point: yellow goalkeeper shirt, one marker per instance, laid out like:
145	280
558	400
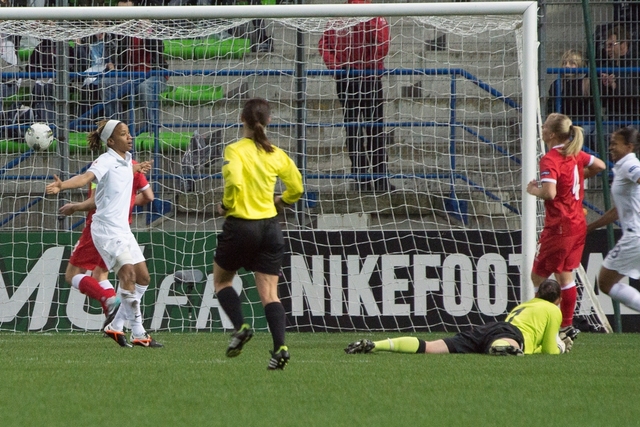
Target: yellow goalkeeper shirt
539	321
250	176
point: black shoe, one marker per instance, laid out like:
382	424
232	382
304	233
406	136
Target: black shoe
113	304
362	346
279	359
570	331
503	348
238	340
145	341
117	336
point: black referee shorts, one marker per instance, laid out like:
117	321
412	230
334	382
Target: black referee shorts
479	338
257	245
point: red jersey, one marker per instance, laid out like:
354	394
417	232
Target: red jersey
360	47
563	214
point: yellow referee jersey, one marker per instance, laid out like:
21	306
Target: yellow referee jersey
539	321
250	176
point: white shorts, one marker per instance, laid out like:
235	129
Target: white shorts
110	245
625	256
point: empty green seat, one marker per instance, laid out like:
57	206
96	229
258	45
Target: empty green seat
168	141
193	94
207	48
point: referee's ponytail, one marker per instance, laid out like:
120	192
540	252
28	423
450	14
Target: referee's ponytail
255	115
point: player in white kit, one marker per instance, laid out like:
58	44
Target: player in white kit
624	259
110	230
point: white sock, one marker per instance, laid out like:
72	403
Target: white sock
140	290
125	313
137	330
627	295
136	324
106	284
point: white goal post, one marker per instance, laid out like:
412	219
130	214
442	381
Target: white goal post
450	245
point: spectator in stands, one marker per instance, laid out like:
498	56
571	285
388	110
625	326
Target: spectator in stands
570	95
620	89
91	59
358	54
44	59
562	171
8	87
260	41
256	31
132	54
531	327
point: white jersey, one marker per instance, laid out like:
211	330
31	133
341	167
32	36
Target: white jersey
625	191
114	176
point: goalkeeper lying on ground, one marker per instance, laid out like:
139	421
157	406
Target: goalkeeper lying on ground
531	327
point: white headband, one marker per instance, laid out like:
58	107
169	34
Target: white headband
108	130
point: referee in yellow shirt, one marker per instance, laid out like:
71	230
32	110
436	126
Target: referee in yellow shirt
251	235
531	327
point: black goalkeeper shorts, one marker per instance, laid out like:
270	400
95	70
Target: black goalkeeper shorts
256	245
479	338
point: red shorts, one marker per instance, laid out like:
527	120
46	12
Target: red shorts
557	253
85	255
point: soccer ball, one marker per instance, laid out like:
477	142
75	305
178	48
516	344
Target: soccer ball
39	136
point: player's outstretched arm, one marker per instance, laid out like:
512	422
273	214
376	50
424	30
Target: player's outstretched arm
76	182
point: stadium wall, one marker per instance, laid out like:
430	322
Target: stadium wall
346	281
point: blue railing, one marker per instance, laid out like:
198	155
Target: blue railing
456	206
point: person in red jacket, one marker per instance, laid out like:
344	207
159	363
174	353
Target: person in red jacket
358	52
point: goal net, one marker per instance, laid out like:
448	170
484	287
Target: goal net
413	217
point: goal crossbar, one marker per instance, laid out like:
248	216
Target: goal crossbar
276	11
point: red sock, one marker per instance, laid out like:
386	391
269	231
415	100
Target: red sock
91	288
568	305
109	291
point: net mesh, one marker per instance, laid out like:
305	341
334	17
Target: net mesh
435	247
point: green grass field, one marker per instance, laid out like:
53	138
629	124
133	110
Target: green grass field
86	380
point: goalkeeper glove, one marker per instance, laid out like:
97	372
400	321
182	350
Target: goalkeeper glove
566	341
561	346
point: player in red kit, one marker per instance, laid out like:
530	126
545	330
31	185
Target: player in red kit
562	173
